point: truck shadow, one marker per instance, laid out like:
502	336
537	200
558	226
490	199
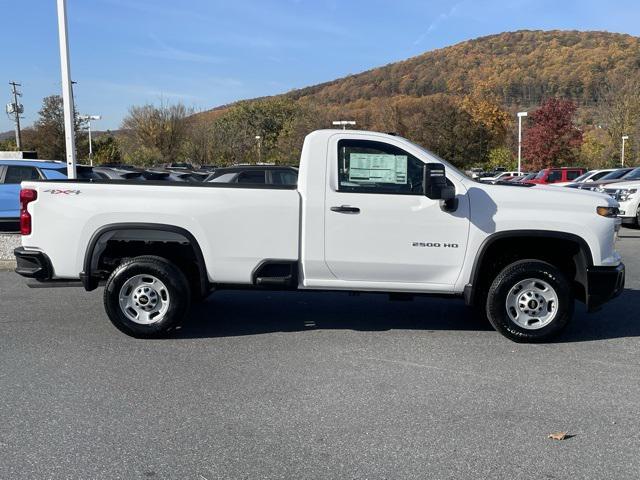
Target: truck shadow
252	312
616	319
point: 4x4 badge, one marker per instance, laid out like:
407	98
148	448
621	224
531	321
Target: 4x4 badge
55	191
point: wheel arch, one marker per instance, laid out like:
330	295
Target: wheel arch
154	231
581	256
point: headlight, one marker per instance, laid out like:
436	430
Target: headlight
625	194
599	189
610	212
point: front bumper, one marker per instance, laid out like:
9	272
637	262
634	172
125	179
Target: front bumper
604	284
33	264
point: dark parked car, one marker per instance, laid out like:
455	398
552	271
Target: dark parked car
256	174
522	178
613	177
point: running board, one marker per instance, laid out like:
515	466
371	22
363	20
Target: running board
276	274
275	281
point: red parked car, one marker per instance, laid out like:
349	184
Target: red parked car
556	175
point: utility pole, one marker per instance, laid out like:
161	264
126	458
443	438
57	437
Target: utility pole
520	116
624	139
67	91
16	109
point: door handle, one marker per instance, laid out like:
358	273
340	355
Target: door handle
345	209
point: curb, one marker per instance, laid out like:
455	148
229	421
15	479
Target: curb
7	265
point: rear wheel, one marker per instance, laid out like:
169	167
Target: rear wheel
147	297
530	301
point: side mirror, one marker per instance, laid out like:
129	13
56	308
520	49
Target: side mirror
436	188
435	182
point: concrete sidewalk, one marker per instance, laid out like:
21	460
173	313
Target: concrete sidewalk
8	241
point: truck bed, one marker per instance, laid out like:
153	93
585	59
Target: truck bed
236	226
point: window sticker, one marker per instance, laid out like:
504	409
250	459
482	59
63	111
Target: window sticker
377	168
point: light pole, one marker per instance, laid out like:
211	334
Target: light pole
67	93
343	123
624	139
88	118
259	140
520	115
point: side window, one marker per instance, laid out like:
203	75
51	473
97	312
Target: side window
573	174
554	176
251	176
375	167
284	177
224	178
16	174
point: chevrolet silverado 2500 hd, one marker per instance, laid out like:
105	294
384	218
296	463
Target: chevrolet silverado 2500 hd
371	212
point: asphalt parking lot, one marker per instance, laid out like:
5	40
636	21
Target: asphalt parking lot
296	386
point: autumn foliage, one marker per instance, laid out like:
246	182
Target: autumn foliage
552	139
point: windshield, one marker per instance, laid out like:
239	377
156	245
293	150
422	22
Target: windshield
616	174
541	174
632	175
584	176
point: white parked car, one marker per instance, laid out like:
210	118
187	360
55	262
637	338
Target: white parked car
370	212
500	176
590	176
627	194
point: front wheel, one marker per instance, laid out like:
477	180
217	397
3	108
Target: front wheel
147	297
530	301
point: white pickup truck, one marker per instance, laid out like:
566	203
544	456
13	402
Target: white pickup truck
371	213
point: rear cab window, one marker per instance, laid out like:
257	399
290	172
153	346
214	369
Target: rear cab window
15	174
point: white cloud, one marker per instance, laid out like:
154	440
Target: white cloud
162	50
443	17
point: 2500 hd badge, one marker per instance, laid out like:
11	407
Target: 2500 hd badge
435	245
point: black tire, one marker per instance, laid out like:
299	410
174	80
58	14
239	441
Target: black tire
177	287
507	279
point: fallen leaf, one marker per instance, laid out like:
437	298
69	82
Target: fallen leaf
558	436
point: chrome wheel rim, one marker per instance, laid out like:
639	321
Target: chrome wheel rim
144	299
532	304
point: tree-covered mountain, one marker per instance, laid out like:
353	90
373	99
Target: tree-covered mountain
521	68
515	68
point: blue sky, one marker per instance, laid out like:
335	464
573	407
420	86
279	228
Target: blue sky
207	52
